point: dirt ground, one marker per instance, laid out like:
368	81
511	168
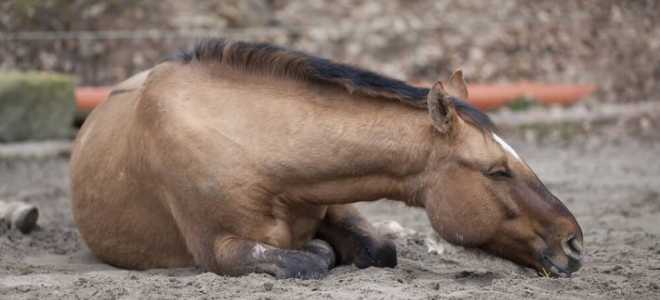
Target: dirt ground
611	184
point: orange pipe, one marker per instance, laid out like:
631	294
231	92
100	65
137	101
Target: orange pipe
493	96
483	96
89	97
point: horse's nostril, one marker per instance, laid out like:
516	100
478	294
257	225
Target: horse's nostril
575	245
572	247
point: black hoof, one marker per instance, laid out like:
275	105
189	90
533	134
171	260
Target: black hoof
380	254
302	265
322	249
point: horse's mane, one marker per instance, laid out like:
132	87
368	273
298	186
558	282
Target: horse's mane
277	61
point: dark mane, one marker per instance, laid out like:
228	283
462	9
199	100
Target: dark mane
278	61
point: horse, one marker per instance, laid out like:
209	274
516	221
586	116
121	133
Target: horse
240	157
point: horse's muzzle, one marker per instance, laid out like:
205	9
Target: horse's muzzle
562	264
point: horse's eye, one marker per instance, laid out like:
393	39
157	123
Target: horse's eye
499	173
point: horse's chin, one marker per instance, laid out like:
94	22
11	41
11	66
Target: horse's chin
542	263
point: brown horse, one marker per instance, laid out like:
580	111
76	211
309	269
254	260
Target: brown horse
241	157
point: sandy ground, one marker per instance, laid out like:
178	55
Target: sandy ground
612	185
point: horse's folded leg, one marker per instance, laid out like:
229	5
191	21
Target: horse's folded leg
354	239
237	257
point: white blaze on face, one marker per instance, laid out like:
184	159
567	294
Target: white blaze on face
506	146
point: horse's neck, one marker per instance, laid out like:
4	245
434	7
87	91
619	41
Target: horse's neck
319	143
375	149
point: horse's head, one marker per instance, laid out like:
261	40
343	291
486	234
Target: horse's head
480	193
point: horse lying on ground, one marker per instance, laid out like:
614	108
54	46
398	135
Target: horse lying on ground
240	157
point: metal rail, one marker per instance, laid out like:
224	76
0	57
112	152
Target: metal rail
140	34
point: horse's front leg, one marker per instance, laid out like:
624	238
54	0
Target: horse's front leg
355	240
236	256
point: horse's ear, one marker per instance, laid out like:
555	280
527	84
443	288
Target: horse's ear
441	108
456	86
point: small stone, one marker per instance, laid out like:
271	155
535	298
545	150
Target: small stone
392	229
433	245
268	286
80	282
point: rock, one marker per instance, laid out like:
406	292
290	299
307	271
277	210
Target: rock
392	229
35	106
19	215
434	245
268	286
4	226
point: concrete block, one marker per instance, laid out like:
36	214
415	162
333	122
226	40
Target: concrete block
36	106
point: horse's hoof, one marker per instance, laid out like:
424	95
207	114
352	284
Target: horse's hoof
374	253
302	266
24	218
322	249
